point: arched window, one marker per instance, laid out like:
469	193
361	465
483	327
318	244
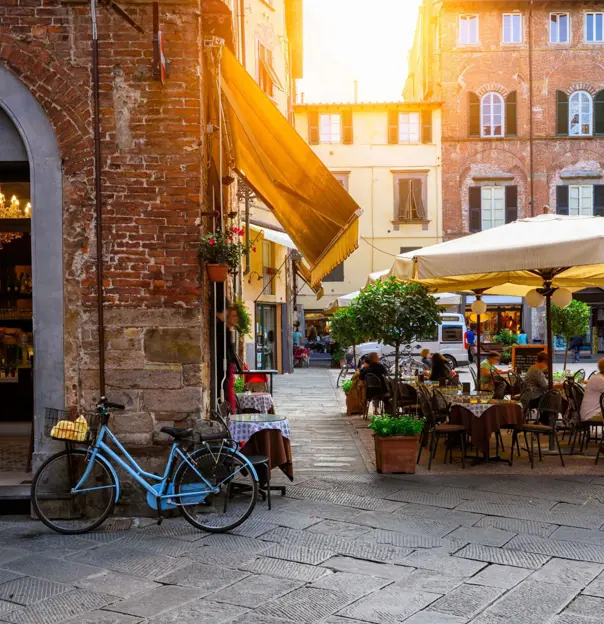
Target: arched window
491	115
580	114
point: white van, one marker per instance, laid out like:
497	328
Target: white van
448	340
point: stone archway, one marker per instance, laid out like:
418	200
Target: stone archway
40	143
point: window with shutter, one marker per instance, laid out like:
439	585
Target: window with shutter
599	113
419	211
492	206
313	127
426	126
561	113
392	127
475	207
410	197
474	115
599	200
511	203
580	114
562	199
404	200
347	135
408	128
581	200
491	114
510	114
330	127
336	275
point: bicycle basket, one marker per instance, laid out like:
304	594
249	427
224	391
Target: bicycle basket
70	426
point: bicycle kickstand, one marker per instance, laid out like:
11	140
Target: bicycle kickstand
160	517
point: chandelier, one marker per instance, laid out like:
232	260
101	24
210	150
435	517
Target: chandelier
12	210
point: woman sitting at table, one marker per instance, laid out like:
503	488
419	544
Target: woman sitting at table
424	354
535	385
441	371
487	367
590	406
373	366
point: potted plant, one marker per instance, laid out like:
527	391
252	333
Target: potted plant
573	320
347	385
396	442
345	328
507	339
221	252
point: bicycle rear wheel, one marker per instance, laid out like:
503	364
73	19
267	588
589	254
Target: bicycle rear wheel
63	510
230	505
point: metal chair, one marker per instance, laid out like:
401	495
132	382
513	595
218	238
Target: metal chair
516	384
550	405
594	372
441	407
435	430
572	418
474	378
374	393
579	376
602	438
501	389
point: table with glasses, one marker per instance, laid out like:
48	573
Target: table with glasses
261	402
482	418
265	434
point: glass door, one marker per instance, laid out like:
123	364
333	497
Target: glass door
266	336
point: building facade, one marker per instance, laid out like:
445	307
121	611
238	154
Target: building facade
387	156
522	91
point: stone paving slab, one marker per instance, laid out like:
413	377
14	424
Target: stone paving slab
453	565
457	516
27	590
477	535
504	577
367	568
50	569
565	572
570	534
514	525
155	602
7	575
342	529
305	605
429	580
10	554
353	585
587	606
301	554
255	590
343	499
434	617
466	601
285	569
208	578
200	611
116	584
508	557
575	618
104	617
596	587
556	548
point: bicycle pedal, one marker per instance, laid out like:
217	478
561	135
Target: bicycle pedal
160	520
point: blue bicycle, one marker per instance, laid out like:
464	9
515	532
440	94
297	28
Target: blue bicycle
212	485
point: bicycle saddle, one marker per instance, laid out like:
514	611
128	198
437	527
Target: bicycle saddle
177	433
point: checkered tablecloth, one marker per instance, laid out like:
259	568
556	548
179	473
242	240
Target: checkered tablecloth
245	430
477	409
260	401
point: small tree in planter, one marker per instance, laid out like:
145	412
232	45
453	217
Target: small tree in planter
507	339
221	252
573	320
345	327
397	313
396	442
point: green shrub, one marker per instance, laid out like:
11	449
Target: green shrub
346	385
403	425
239	385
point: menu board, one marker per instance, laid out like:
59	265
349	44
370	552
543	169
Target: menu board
524	356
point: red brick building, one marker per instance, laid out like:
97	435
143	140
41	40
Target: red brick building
522	91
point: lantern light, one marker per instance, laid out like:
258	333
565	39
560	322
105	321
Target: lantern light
562	298
478	306
534	298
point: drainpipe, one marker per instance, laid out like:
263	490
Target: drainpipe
97	198
531	157
242	30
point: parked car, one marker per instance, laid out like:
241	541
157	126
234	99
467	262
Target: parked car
448	339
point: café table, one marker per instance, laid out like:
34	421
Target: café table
268	435
483	418
269	371
261	402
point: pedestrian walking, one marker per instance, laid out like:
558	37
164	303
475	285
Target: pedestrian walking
471	341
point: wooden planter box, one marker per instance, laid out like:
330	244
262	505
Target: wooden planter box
396	453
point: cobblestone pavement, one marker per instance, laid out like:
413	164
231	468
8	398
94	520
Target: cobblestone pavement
344	547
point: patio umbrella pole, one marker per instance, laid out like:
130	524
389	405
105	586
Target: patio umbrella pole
478	351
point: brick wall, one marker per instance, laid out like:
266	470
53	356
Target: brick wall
153	172
493	66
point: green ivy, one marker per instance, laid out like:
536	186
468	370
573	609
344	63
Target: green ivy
245	320
403	425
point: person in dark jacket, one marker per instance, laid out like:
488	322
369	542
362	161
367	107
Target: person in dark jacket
375	367
441	371
575	346
230	318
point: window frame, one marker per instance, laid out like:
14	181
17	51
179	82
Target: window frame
568	28
419	128
343	178
459	22
482	124
264	79
580	188
410	174
268	276
491	188
585	37
590	116
521	33
331	141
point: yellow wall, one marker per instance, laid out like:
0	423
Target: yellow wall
372	164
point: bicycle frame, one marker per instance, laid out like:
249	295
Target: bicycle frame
102	451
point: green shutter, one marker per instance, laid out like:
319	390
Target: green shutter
561	113
599	113
510	114
474	115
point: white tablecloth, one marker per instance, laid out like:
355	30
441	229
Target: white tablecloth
245	430
262	402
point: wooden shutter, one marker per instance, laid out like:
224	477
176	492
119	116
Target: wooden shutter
511	126
511	203
313	128
475	196
426	126
599	200
347	136
561	113
392	127
474	115
599	113
404	200
418	200
562	199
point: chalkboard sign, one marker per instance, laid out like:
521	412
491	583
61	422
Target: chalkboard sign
524	356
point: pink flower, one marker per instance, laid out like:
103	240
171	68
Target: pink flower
212	241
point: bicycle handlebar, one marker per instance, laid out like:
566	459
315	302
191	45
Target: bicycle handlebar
103	402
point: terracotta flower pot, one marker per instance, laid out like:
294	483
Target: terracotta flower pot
217	272
395	453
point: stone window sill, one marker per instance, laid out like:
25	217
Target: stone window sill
411	221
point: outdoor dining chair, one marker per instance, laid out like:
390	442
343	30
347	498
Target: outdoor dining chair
593	372
579	376
602	438
550	406
374	393
579	429
474	378
516	384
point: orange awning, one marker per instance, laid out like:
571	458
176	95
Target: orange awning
313	208
304	273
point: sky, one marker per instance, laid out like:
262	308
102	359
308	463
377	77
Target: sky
348	40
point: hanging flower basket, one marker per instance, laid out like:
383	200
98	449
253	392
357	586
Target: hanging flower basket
221	252
217	272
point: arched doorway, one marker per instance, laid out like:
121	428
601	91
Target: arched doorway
30	169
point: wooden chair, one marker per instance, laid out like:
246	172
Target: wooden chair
550	406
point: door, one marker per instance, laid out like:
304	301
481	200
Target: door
266	336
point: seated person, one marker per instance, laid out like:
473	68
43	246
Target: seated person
487	367
441	371
375	367
425	356
590	406
535	384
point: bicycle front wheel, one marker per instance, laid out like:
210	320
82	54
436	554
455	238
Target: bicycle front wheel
66	511
217	492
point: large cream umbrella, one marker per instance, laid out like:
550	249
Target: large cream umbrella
550	255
